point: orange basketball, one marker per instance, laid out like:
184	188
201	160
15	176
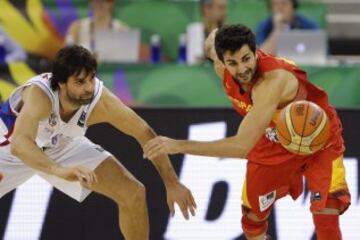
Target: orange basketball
303	127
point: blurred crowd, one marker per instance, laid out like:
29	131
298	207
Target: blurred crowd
103	33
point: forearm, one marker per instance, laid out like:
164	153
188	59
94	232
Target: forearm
165	169
31	155
224	148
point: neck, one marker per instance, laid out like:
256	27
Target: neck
102	22
66	107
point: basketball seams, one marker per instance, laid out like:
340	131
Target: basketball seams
319	128
304	127
285	128
310	119
282	135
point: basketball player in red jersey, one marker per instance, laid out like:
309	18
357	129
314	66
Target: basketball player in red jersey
259	85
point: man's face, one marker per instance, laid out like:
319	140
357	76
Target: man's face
102	7
217	11
241	64
284	8
79	88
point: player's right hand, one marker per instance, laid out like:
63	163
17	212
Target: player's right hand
1	176
210	45
84	175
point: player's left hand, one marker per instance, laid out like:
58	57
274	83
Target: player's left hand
182	196
160	145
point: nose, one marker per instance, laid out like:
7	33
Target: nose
89	86
241	69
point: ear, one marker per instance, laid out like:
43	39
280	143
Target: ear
62	85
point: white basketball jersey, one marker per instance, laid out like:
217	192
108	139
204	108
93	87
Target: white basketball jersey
53	132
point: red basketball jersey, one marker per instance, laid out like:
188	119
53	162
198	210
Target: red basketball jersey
268	152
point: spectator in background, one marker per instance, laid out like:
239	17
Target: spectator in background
213	13
82	31
10	51
283	17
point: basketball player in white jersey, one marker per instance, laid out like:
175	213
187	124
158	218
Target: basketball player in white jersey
42	128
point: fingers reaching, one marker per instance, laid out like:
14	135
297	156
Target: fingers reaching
86	177
155	152
192	204
171	208
151	148
192	200
184	209
188	205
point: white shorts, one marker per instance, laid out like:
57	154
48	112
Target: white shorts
80	151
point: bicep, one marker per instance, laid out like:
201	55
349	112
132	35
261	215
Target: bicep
111	110
36	107
26	124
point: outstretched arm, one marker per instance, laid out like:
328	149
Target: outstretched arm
110	109
266	98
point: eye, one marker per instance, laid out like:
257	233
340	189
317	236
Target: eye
79	82
246	59
232	64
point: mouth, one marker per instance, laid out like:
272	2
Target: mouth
244	77
87	96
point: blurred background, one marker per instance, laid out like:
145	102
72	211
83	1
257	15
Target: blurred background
151	56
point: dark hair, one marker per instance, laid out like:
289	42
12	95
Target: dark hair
295	3
71	60
232	38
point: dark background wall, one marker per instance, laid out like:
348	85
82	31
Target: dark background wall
96	217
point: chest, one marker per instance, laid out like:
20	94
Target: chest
53	126
240	96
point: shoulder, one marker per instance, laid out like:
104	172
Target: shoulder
75	24
36	101
106	108
106	99
120	25
278	81
263	29
264	25
306	22
73	31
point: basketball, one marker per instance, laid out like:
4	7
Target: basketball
303	127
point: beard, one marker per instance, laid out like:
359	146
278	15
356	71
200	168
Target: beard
80	100
245	78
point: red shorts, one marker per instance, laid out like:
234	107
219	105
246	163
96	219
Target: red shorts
266	183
